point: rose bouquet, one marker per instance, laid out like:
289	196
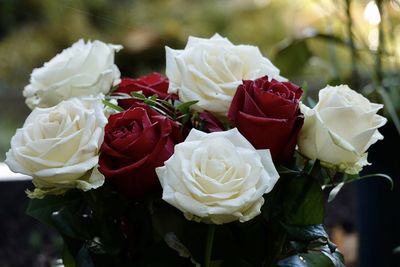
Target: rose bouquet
217	164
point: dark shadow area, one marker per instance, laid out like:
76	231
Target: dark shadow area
24	241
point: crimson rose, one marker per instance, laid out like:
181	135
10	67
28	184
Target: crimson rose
267	113
137	141
151	84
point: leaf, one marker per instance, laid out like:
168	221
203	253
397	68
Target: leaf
42	209
173	242
295	200
113	106
70	224
311	102
396	250
311	259
306	233
335	191
138	95
293	51
303	201
184	107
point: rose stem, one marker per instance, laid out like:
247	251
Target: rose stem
210	239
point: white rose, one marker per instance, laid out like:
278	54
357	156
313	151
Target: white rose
217	177
59	146
81	70
210	70
340	128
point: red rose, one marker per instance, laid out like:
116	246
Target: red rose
152	84
137	141
267	113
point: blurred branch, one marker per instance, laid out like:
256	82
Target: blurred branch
349	27
380	49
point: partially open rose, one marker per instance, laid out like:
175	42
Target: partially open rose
148	85
267	113
136	142
340	128
83	69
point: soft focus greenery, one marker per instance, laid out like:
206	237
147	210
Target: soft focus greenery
307	39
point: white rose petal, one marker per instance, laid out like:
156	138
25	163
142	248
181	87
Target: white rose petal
210	70
81	70
340	129
217	177
59	146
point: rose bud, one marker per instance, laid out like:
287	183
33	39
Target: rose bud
152	84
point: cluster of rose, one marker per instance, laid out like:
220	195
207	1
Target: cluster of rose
217	164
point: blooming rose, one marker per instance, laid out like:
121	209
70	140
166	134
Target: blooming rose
136	141
81	70
217	177
267	113
59	146
148	85
340	128
210	70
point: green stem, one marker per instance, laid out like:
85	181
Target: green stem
349	26
379	52
210	239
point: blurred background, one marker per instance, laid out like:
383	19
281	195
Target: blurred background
313	42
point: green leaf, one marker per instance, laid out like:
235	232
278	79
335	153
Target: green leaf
184	107
69	223
311	259
138	95
306	233
295	200
42	209
304	203
113	106
293	51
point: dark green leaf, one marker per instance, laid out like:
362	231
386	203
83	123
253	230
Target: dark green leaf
312	259
184	107
295	200
304	203
70	224
42	209
306	232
